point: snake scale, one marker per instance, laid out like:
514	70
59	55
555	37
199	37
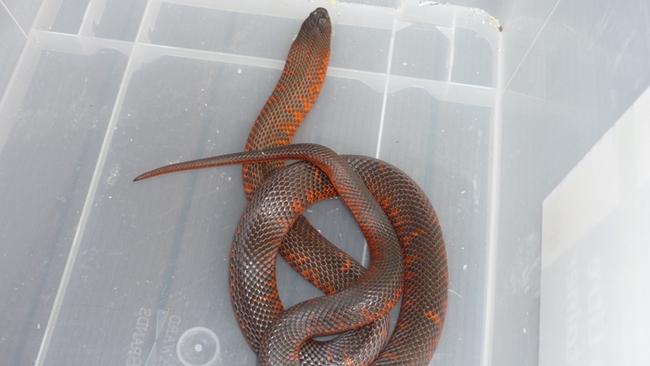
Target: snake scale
408	260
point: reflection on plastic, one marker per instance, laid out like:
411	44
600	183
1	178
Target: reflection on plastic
198	346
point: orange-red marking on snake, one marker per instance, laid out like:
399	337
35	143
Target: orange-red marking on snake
272	224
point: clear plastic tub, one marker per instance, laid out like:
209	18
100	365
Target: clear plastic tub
98	270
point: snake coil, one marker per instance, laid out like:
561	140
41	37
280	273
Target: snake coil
408	260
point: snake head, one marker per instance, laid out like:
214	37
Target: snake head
318	20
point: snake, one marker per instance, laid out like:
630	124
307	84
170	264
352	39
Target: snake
408	258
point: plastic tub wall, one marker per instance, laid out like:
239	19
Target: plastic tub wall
569	70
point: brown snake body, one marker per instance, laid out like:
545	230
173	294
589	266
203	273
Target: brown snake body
408	256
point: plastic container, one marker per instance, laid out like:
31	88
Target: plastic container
97	270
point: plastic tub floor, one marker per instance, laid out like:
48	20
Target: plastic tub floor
102	271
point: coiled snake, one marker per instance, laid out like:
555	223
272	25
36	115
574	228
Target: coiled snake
408	259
